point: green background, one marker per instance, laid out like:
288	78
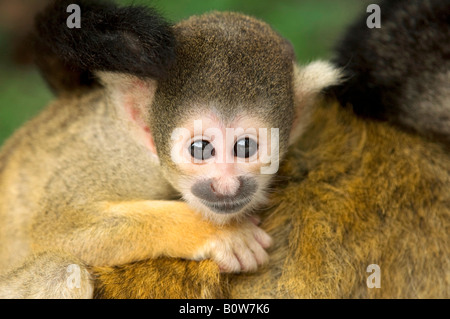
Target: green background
313	27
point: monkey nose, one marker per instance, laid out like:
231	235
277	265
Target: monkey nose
225	186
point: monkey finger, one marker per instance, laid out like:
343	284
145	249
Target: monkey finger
223	254
229	264
245	256
263	238
260	254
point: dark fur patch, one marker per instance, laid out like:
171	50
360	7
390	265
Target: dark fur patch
134	40
385	66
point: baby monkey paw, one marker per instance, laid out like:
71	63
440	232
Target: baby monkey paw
239	247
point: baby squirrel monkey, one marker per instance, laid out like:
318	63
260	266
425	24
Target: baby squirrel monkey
164	159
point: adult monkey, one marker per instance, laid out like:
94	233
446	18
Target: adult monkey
360	193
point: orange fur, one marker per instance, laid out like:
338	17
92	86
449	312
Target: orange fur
351	193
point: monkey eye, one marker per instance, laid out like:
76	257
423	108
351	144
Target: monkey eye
202	150
245	147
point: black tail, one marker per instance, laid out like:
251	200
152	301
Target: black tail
400	72
134	40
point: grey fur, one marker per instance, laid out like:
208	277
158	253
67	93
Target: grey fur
401	72
225	204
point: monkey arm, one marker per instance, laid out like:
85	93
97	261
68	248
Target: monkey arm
114	233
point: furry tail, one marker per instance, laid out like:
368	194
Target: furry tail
400	72
134	40
48	275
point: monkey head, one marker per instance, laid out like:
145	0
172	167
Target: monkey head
221	120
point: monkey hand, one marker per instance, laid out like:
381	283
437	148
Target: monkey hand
237	247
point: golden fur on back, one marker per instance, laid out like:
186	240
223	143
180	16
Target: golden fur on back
351	193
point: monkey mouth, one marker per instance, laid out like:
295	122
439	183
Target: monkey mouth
225	204
226	207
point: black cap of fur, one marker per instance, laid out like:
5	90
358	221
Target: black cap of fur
388	68
134	40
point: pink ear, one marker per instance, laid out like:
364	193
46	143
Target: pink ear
137	114
132	98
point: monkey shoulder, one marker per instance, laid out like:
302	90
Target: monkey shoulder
76	146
